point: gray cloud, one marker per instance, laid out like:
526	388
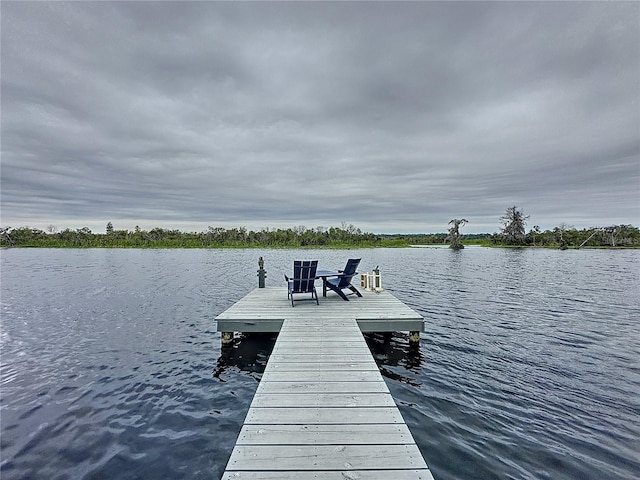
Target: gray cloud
392	116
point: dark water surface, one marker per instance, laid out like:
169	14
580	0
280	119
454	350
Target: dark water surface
111	367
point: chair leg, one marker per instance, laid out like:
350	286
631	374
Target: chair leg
338	291
341	293
355	290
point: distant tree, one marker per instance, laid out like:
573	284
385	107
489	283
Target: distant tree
561	231
513	222
454	233
534	232
109	228
52	228
612	233
4	234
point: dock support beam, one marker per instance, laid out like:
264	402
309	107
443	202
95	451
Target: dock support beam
414	338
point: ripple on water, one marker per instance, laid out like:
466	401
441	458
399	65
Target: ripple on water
527	369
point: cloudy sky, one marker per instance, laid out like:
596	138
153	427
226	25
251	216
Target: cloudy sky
394	117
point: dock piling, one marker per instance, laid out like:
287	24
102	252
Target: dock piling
227	338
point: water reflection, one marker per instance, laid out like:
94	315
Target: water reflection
395	350
248	353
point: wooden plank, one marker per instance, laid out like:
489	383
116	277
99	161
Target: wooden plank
423	474
362	434
318	327
323	387
323	416
304	353
326	457
303	343
303	348
323	358
330	336
319	366
302	376
303	400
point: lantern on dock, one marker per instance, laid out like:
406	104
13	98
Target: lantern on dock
376	280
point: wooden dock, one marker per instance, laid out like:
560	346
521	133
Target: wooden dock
322	409
265	309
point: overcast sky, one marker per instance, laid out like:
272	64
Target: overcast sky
393	117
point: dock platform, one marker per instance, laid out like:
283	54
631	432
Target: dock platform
322	409
265	309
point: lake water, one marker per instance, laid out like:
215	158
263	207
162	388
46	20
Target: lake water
111	367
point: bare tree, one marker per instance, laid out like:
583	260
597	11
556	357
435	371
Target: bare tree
612	233
561	230
513	222
4	233
454	233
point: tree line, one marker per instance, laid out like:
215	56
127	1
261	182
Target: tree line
563	236
623	236
213	237
512	233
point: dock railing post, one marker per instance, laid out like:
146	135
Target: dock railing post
262	273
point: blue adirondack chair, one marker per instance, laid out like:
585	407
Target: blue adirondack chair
304	275
343	281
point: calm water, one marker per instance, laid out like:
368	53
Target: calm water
111	367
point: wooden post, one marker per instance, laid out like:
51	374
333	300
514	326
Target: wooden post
262	273
227	338
414	338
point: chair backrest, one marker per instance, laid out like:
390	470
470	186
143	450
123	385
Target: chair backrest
348	272
304	274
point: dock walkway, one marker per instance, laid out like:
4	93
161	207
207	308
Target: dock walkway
322	409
